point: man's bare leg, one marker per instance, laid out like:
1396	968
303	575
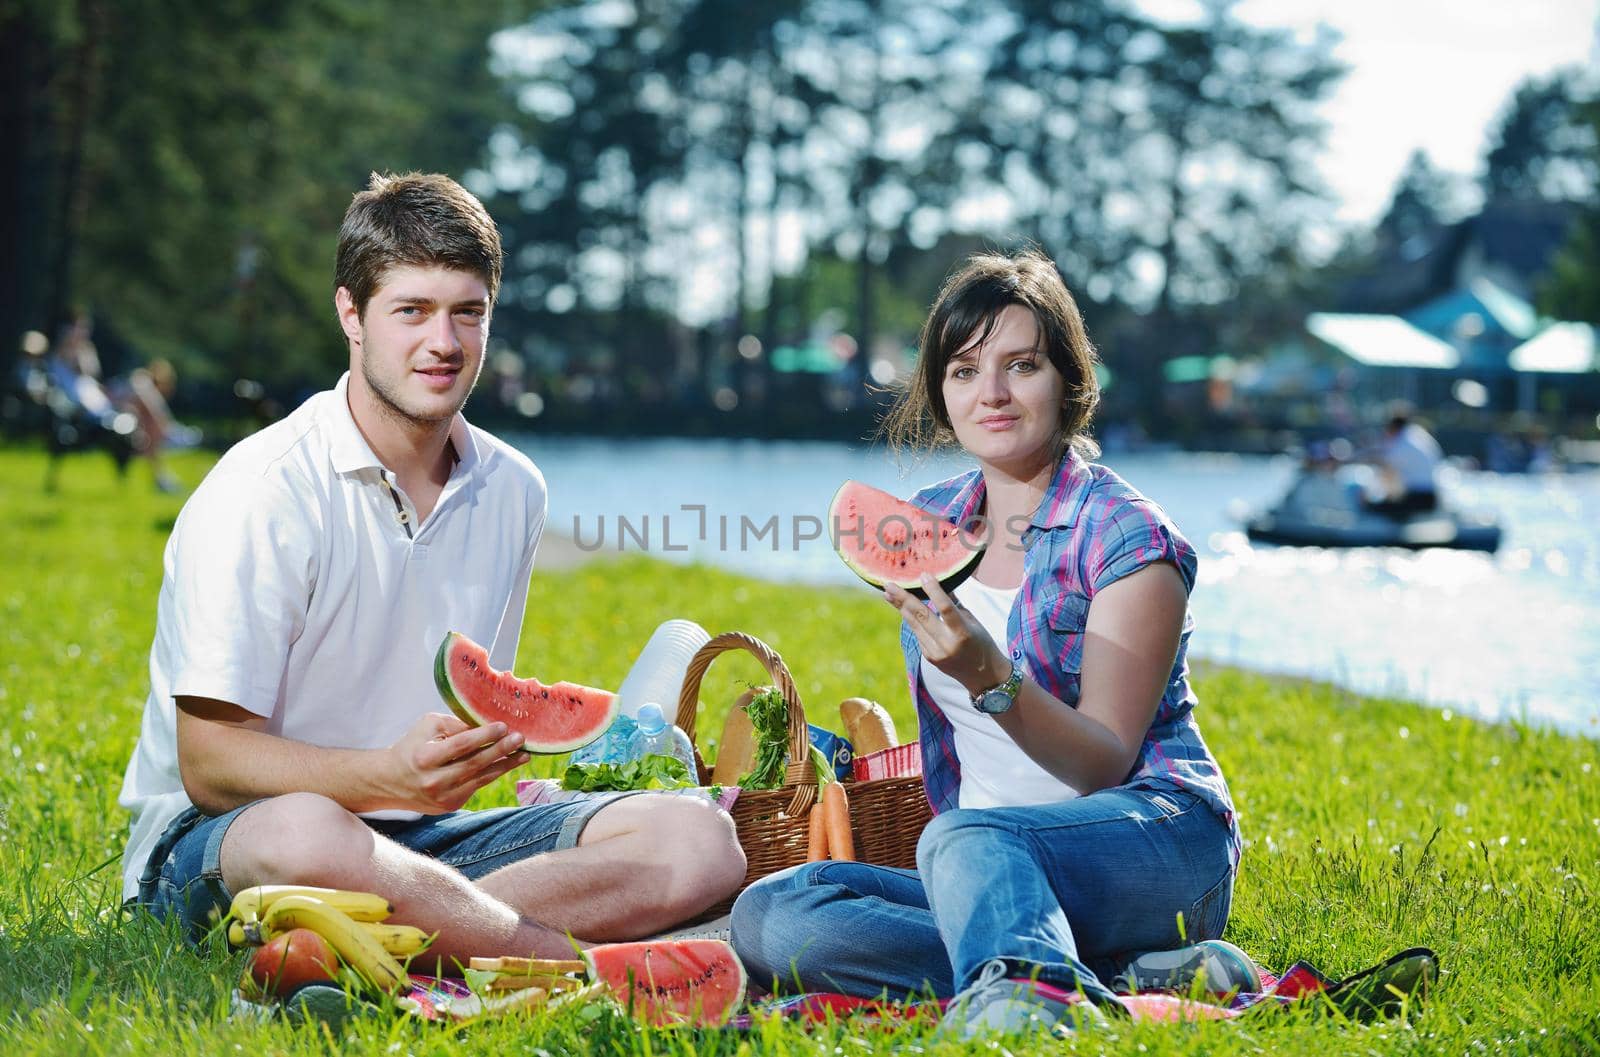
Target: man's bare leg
642	865
303	838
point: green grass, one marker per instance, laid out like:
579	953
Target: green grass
1372	825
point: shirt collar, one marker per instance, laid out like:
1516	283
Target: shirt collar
1063	499
349	451
1066	494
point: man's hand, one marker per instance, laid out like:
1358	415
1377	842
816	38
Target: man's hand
441	762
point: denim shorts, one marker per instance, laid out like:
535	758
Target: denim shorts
183	875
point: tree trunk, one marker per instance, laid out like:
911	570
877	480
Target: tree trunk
869	172
72	203
23	182
744	138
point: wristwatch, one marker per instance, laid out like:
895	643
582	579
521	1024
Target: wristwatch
998	699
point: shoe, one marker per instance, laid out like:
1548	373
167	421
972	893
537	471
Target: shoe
999	1004
1225	969
1395	986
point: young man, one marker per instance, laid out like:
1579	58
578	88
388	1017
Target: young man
1409	459
293	734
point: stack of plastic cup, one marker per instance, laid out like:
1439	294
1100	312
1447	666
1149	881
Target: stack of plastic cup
658	673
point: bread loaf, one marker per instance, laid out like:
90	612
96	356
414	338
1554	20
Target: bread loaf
867	725
736	750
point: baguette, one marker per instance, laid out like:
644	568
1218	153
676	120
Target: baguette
867	725
736	751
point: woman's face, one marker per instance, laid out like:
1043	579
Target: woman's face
1004	397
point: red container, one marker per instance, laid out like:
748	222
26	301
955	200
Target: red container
901	761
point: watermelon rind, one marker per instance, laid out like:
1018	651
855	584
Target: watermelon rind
950	575
441	679
458	700
700	1001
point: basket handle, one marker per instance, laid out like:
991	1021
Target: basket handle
800	775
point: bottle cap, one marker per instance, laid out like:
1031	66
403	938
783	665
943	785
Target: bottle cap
650	718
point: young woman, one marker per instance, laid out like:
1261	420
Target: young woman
1080	819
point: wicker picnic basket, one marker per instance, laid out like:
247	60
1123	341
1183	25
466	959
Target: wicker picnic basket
886	814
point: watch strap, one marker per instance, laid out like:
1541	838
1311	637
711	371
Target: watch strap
1010	687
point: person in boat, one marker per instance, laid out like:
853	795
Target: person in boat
1081	821
293	734
1319	485
1408	458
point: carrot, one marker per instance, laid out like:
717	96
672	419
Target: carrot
836	820
817	835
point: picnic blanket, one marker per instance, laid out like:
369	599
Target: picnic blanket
1382	990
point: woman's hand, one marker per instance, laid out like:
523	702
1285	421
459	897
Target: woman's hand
952	640
1130	642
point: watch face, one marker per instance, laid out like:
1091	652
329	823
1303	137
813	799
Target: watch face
994	701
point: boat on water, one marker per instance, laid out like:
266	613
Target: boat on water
1329	510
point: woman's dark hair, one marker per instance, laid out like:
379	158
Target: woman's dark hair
967	309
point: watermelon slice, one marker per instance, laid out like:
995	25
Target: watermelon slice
556	718
694	983
885	540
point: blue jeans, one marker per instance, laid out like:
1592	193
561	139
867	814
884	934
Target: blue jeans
1060	891
183	875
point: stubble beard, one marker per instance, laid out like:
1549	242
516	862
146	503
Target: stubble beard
390	406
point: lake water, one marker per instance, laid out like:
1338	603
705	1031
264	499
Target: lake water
1515	634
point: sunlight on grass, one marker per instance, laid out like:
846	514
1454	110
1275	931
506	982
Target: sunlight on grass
1371	825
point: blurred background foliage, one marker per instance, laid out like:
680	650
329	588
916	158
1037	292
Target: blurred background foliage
689	187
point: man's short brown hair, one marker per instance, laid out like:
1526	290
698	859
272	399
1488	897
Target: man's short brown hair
423	219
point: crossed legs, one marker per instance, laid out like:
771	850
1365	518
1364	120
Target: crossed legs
640	865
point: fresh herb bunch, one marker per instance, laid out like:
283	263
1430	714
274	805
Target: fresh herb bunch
769	719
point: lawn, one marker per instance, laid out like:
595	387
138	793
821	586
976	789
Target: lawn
1371	825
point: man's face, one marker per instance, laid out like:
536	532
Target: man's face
418	347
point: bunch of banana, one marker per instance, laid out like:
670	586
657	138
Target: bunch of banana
353	923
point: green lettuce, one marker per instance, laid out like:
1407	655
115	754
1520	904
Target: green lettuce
647	772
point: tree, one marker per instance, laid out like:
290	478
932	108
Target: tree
1573	288
193	161
1049	129
1424	198
1541	148
1216	183
598	130
1225	164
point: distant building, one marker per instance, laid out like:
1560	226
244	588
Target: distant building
1445	319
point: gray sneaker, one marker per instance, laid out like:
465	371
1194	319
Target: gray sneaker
1224	968
999	1004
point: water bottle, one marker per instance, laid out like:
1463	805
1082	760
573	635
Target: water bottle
614	746
657	737
657	674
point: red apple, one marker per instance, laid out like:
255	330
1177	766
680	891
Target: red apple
297	957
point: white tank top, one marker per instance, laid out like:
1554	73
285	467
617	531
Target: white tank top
994	771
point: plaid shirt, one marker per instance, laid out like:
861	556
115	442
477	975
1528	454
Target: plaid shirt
1091	529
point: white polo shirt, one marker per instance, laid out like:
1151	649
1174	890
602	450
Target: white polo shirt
298	585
